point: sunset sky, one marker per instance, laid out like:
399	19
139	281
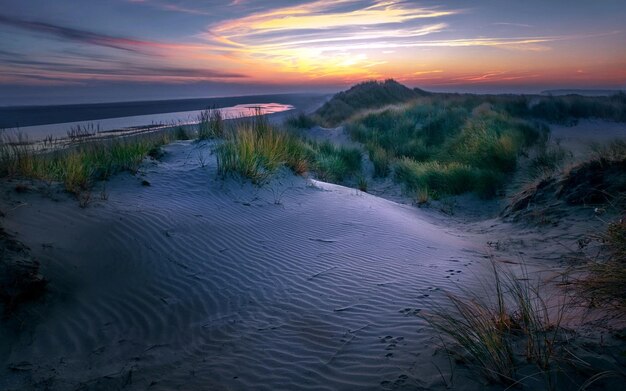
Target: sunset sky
92	50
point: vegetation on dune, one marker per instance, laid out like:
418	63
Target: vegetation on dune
446	147
300	121
606	278
599	181
441	144
256	150
79	166
362	96
597	184
210	124
565	109
500	336
432	144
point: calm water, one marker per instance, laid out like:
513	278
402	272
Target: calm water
39	132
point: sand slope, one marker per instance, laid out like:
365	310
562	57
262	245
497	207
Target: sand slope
199	283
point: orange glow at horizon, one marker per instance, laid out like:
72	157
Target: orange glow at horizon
337	42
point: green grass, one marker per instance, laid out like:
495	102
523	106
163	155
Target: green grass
449	146
362	96
79	166
381	160
566	109
180	133
211	124
256	150
334	164
301	121
438	178
482	135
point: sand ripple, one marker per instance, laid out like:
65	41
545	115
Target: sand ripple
197	283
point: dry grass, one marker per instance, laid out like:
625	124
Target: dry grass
605	283
497	337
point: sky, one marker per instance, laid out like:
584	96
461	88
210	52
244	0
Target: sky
66	51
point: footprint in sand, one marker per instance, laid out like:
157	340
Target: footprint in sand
452	272
391	344
410	311
399	382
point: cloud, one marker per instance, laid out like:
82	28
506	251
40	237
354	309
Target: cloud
326	14
326	38
171	6
513	24
75	64
89	37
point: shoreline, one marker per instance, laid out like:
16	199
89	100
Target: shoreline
22	116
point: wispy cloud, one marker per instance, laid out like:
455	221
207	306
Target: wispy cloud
157	60
326	38
76	35
348	37
513	24
171	6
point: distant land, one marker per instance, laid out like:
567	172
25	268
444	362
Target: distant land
581	92
21	116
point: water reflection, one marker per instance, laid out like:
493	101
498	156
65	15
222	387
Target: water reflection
143	122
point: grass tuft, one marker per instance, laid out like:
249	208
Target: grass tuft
450	146
211	124
79	166
301	121
497	337
606	281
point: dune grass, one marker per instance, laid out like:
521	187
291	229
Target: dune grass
255	150
605	282
565	109
446	147
333	163
514	327
210	124
364	95
301	121
78	166
437	179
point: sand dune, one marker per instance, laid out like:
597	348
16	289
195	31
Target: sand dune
198	283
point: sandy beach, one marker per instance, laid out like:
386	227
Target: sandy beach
175	278
194	283
355	195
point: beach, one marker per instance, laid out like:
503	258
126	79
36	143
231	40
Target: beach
175	276
193	282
